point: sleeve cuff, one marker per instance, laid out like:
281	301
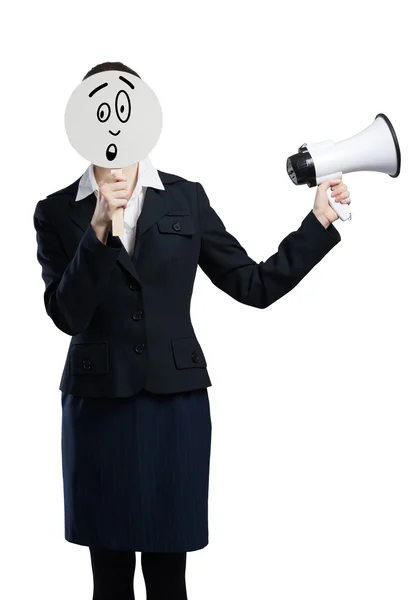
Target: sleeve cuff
327	235
91	241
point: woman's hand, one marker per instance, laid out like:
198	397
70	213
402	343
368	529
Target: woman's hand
113	194
322	209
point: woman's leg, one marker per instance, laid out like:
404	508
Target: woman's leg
113	573
164	575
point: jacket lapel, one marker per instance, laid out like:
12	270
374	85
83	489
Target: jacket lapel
156	203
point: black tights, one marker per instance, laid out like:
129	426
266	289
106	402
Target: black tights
113	573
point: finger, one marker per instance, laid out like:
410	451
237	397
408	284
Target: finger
344	194
121	195
325	185
333	182
338	189
120	202
117	194
344	198
118	185
341	197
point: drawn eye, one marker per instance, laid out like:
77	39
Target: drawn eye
123	106
103	112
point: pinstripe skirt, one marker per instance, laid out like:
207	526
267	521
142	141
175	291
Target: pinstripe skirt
136	471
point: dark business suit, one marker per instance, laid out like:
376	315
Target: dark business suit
130	319
133	345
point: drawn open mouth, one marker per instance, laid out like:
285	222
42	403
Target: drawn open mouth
111	152
114	133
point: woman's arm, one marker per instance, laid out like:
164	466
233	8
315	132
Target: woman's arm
227	264
73	287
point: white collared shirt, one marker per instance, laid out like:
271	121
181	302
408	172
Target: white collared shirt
148	177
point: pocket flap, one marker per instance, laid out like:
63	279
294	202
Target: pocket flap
188	353
179	211
88	358
176	224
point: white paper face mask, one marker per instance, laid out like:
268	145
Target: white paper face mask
113	119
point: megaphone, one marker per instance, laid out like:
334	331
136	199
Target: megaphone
376	148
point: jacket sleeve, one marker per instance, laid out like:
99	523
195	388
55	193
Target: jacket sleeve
73	288
226	263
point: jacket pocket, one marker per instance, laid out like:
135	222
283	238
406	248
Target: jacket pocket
88	358
188	353
180	224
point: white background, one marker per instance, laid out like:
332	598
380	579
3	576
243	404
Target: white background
312	489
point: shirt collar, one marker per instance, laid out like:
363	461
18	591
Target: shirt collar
148	177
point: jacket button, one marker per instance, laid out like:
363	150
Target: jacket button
139	348
86	365
137	315
176	226
133	286
195	356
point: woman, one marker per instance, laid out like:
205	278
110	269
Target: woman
136	426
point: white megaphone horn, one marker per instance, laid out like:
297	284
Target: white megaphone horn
376	148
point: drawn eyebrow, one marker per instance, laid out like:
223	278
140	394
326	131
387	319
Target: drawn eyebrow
97	89
127	81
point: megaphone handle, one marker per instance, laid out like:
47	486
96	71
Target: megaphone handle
118	215
342	210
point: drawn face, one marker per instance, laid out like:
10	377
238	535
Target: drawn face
113	119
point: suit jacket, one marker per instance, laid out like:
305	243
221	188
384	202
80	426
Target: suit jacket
129	318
